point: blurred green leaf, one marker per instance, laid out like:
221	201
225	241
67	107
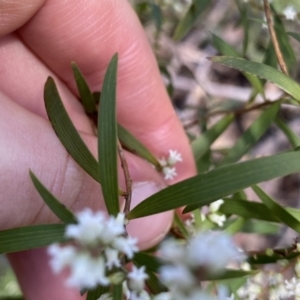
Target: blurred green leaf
154	284
261	227
276	209
117	292
30	237
178	222
149	261
201	144
252	135
107	139
235	227
54	204
295	35
263	71
132	144
157	15
228	274
278	254
85	93
66	131
228	50
184	26
218	183
289	133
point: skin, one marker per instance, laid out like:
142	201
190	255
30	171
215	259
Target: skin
40	39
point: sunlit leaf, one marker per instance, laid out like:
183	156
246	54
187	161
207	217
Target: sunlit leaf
218	183
107	139
30	237
66	131
54	204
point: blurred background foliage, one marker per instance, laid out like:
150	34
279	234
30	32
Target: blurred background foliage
183	33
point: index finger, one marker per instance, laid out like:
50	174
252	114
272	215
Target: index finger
89	33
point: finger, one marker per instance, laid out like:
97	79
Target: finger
67	31
14	14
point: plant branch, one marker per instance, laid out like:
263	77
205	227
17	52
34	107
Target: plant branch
279	55
128	181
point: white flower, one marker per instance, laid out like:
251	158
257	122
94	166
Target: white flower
204	250
87	272
112	257
177	276
171	251
89	228
137	279
163	296
293	287
215	206
61	257
174	157
290	13
169	172
217	219
113	228
126	245
139	296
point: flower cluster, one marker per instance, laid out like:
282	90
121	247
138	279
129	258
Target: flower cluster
185	265
168	164
98	244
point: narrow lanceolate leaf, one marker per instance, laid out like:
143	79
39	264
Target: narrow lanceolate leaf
85	93
66	131
132	144
263	71
54	204
228	50
253	210
201	144
30	237
280	212
235	227
228	274
218	183
251	135
154	284
289	133
196	9
107	139
149	261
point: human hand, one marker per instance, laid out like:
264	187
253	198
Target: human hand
40	39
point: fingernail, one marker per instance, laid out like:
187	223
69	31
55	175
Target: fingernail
152	229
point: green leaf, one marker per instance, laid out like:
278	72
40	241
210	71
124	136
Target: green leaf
251	135
107	139
97	293
135	146
117	292
185	24
235	227
228	50
261	227
295	35
149	261
228	274
263	71
85	93
281	213
54	204
154	284
218	183
276	255
66	131
180	225
289	133
30	237
203	143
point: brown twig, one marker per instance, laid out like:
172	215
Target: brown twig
279	55
128	181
